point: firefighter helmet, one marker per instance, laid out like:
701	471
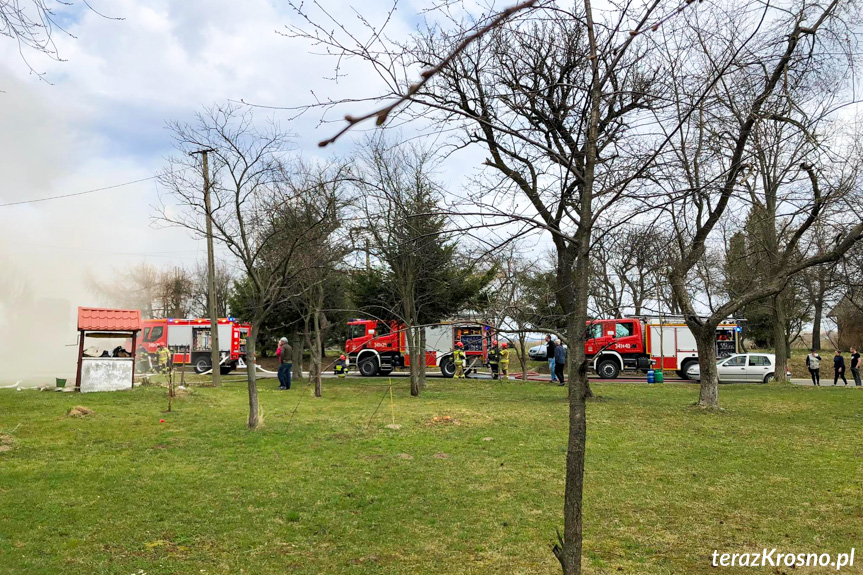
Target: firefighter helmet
459	344
342	356
494	342
504	345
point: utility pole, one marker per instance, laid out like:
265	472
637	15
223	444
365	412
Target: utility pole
661	334
215	355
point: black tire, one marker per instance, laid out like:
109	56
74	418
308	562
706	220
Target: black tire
685	368
385	371
226	369
447	367
607	369
770	377
368	367
202	365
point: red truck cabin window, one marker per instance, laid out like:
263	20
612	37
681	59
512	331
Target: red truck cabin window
624	329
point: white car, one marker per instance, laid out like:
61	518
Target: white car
755	367
538	352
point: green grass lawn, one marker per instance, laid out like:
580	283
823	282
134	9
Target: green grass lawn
117	492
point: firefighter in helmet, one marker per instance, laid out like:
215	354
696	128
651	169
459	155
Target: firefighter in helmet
494	359
163	357
341	366
504	360
142	360
458	359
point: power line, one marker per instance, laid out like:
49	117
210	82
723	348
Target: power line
78	193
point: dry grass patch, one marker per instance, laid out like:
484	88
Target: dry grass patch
80	411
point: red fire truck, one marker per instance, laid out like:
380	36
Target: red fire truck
379	347
189	341
615	345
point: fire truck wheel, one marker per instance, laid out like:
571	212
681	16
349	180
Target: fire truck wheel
202	365
607	369
369	367
447	367
226	369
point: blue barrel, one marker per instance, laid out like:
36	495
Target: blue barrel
651	377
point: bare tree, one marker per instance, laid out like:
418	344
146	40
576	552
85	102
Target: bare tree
32	24
508	307
628	271
716	154
201	290
257	211
319	257
136	287
565	103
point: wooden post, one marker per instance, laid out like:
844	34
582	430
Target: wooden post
215	353
183	368
80	360
134	355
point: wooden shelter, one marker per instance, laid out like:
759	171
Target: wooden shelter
114	372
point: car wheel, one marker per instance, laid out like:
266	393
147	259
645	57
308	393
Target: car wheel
368	367
607	369
202	365
447	367
769	378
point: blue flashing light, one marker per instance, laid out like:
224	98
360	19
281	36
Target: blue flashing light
738	329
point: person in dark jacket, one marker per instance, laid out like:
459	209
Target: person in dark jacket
559	362
813	362
838	368
855	366
549	355
285	353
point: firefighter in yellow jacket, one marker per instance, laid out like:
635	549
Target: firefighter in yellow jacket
504	360
458	359
162	358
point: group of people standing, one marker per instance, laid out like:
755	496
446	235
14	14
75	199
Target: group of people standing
498	360
813	362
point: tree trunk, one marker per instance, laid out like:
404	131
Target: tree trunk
522	354
251	375
780	337
705	340
316	353
421	366
818	304
297	345
569	554
410	335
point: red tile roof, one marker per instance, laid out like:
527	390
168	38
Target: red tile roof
97	319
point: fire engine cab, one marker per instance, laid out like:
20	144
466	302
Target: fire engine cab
188	340
378	347
615	345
